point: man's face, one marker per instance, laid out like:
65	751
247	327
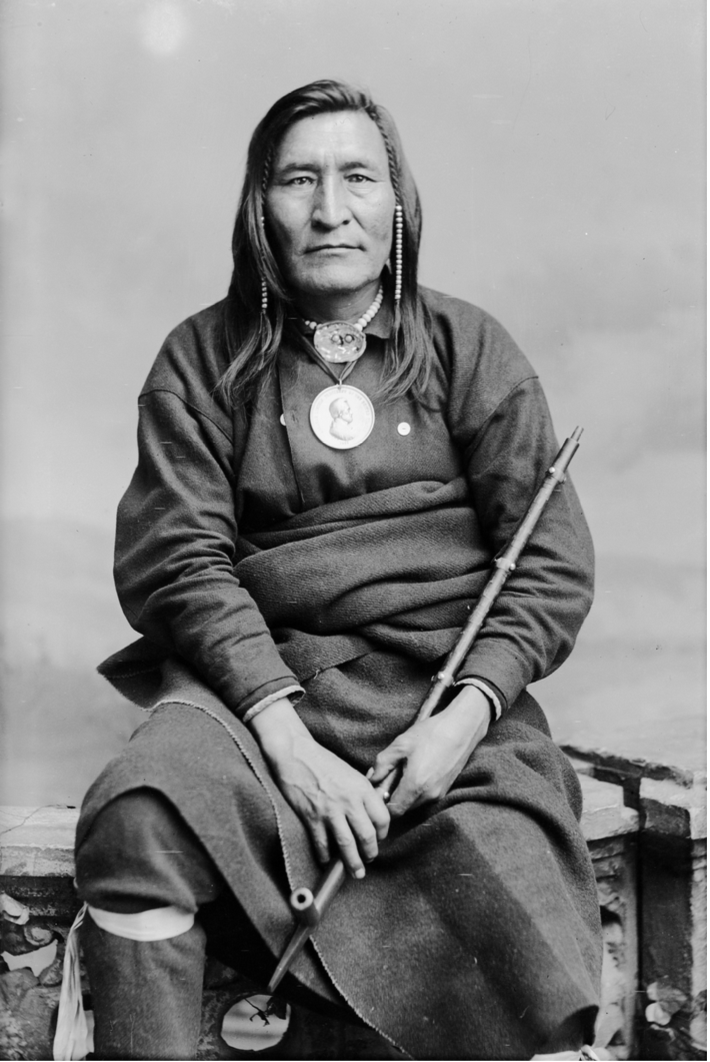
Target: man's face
330	204
340	410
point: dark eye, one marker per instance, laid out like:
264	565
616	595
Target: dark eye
298	182
358	178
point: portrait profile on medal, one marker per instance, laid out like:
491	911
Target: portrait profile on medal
342	417
342	427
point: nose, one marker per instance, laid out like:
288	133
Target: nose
330	208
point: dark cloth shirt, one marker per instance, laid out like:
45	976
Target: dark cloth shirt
209	478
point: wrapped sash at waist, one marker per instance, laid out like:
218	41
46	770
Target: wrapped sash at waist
398	569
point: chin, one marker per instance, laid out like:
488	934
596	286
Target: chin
335	281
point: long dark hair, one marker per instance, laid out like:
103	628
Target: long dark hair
253	339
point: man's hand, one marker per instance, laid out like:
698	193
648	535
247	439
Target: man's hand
344	814
432	754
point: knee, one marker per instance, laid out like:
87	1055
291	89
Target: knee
139	854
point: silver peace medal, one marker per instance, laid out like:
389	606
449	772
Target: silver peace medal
342	417
339	341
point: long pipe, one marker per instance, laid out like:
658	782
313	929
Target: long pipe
311	907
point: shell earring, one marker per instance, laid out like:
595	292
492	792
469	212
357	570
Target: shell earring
398	226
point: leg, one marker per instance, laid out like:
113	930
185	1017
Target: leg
141	868
147	995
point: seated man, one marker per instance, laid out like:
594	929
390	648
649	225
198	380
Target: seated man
296	587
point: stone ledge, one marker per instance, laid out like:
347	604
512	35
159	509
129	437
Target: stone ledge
637	767
605	814
674	810
37	842
672	800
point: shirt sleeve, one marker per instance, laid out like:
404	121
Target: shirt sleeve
175	545
502	420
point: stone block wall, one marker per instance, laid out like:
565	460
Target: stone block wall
672	894
611	830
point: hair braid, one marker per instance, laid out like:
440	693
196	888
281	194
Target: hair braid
374	113
266	173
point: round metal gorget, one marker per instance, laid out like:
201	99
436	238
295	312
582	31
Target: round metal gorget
342	417
339	341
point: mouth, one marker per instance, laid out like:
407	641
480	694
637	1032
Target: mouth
329	247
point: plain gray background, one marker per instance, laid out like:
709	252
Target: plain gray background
559	150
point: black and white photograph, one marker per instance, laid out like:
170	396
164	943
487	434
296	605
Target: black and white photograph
352	529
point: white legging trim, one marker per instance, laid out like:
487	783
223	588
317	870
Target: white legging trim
159	923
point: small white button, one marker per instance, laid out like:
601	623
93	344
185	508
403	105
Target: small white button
404	428
282	419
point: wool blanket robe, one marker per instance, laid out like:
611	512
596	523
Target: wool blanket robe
476	931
